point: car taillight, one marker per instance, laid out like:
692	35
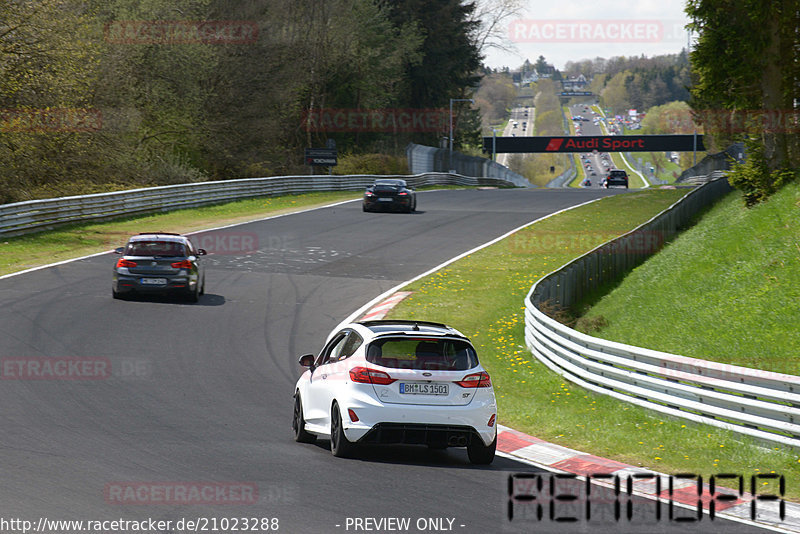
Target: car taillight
402	193
476	380
365	375
185	264
491	420
369	193
125	263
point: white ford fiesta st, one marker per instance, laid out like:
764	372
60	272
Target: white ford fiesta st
411	382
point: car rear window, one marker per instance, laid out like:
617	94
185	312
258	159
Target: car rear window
155	248
387	187
422	353
618	174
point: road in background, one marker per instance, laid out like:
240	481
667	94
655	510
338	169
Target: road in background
520	124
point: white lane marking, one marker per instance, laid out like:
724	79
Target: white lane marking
360	311
9	275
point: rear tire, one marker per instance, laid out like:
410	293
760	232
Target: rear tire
480	454
194	296
301	435
340	446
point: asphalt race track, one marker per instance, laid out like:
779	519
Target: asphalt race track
197	398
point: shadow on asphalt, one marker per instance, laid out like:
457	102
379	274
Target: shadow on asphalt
420	455
209	299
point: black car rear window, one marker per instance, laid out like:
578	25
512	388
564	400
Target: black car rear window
422	353
387	187
155	248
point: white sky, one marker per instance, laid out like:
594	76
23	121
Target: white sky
659	23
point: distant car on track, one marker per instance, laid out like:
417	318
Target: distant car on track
401	382
389	194
159	262
616	177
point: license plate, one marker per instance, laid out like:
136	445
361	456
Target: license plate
418	388
385	199
153	281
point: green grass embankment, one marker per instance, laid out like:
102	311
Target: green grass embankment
482	295
727	290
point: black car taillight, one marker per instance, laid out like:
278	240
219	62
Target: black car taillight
125	263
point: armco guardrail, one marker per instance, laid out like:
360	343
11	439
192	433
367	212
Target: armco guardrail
423	159
762	404
36	215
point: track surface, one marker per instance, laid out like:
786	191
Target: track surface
202	393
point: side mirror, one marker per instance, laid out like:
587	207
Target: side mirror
201	252
119	250
307	360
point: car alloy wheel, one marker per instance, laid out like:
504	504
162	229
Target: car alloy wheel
340	446
301	435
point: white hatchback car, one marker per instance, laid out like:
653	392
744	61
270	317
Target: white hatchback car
411	382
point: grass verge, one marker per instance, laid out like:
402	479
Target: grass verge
482	295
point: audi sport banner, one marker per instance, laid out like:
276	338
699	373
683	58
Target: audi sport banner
599	143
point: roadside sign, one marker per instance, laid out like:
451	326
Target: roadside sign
326	157
600	143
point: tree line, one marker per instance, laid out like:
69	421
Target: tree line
746	74
109	94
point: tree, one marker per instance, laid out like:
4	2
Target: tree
494	97
745	65
540	65
491	17
450	58
615	94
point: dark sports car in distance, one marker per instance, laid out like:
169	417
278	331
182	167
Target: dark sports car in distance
390	194
616	177
159	263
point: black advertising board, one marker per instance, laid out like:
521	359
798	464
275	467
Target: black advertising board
321	156
599	143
